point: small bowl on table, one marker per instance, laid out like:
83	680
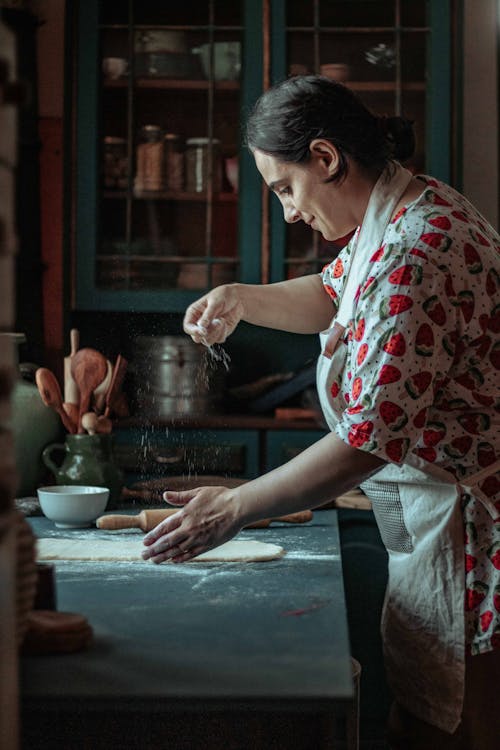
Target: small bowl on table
73	506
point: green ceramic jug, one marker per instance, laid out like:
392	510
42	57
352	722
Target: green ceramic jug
87	459
33	424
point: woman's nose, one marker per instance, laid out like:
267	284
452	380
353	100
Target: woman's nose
291	214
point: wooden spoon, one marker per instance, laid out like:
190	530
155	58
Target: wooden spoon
50	392
88	368
99	394
71	395
119	371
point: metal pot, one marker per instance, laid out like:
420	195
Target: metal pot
172	375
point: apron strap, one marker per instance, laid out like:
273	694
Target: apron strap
384	198
471	484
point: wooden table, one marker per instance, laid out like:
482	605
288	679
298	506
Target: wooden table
200	655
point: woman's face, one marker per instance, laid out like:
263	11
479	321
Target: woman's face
305	193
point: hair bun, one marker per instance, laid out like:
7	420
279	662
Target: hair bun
400	135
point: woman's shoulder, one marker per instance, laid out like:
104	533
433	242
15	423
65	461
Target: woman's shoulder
440	224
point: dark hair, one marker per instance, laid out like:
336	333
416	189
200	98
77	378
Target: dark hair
288	116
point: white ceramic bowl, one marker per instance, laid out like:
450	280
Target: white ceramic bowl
73	506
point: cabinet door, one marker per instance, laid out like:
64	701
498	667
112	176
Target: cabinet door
396	54
283	445
160	171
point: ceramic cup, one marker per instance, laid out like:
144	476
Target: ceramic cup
114	67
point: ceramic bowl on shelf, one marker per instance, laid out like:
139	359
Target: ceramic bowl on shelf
336	71
73	506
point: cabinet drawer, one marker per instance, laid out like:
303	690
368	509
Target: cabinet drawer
146	453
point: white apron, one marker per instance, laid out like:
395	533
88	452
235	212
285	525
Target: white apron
420	521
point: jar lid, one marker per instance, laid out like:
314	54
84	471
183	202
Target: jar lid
114	140
202	141
171	137
151	131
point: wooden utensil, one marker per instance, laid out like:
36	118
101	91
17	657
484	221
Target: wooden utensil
100	392
89	422
148	519
50	392
71	395
72	411
119	370
88	368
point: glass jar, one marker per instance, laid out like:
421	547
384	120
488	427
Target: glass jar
174	162
149	175
200	168
115	163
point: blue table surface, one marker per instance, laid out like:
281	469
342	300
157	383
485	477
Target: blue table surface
272	633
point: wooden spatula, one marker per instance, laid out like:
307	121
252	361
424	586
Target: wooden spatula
51	394
88	368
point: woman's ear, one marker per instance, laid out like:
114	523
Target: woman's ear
326	155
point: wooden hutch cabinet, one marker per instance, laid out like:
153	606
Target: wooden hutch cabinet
167	200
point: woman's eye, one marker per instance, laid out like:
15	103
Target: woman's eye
284	191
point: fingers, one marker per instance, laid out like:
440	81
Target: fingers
169	546
212	332
164	527
178	498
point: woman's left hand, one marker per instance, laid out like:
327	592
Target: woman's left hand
209	517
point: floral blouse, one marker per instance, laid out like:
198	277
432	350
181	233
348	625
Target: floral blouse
423	367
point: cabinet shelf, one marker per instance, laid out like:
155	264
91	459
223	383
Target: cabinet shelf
171	83
169	195
187	259
380	86
198	85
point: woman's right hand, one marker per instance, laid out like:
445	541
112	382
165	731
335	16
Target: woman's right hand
213	317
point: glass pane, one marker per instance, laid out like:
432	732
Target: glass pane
372	57
185	13
414	14
413	56
357	13
413	106
300	13
169	147
113	12
301	53
228	13
358	43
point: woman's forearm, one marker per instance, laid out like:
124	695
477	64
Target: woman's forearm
297	305
322	472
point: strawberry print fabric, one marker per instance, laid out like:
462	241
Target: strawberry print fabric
423	361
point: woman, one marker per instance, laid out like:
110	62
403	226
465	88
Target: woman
407	379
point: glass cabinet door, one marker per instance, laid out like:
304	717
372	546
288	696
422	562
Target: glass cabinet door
389	52
165	166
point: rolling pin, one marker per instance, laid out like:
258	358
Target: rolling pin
148	519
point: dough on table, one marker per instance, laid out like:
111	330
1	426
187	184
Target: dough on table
130	551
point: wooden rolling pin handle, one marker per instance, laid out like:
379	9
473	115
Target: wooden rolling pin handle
115	522
302	516
146	520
